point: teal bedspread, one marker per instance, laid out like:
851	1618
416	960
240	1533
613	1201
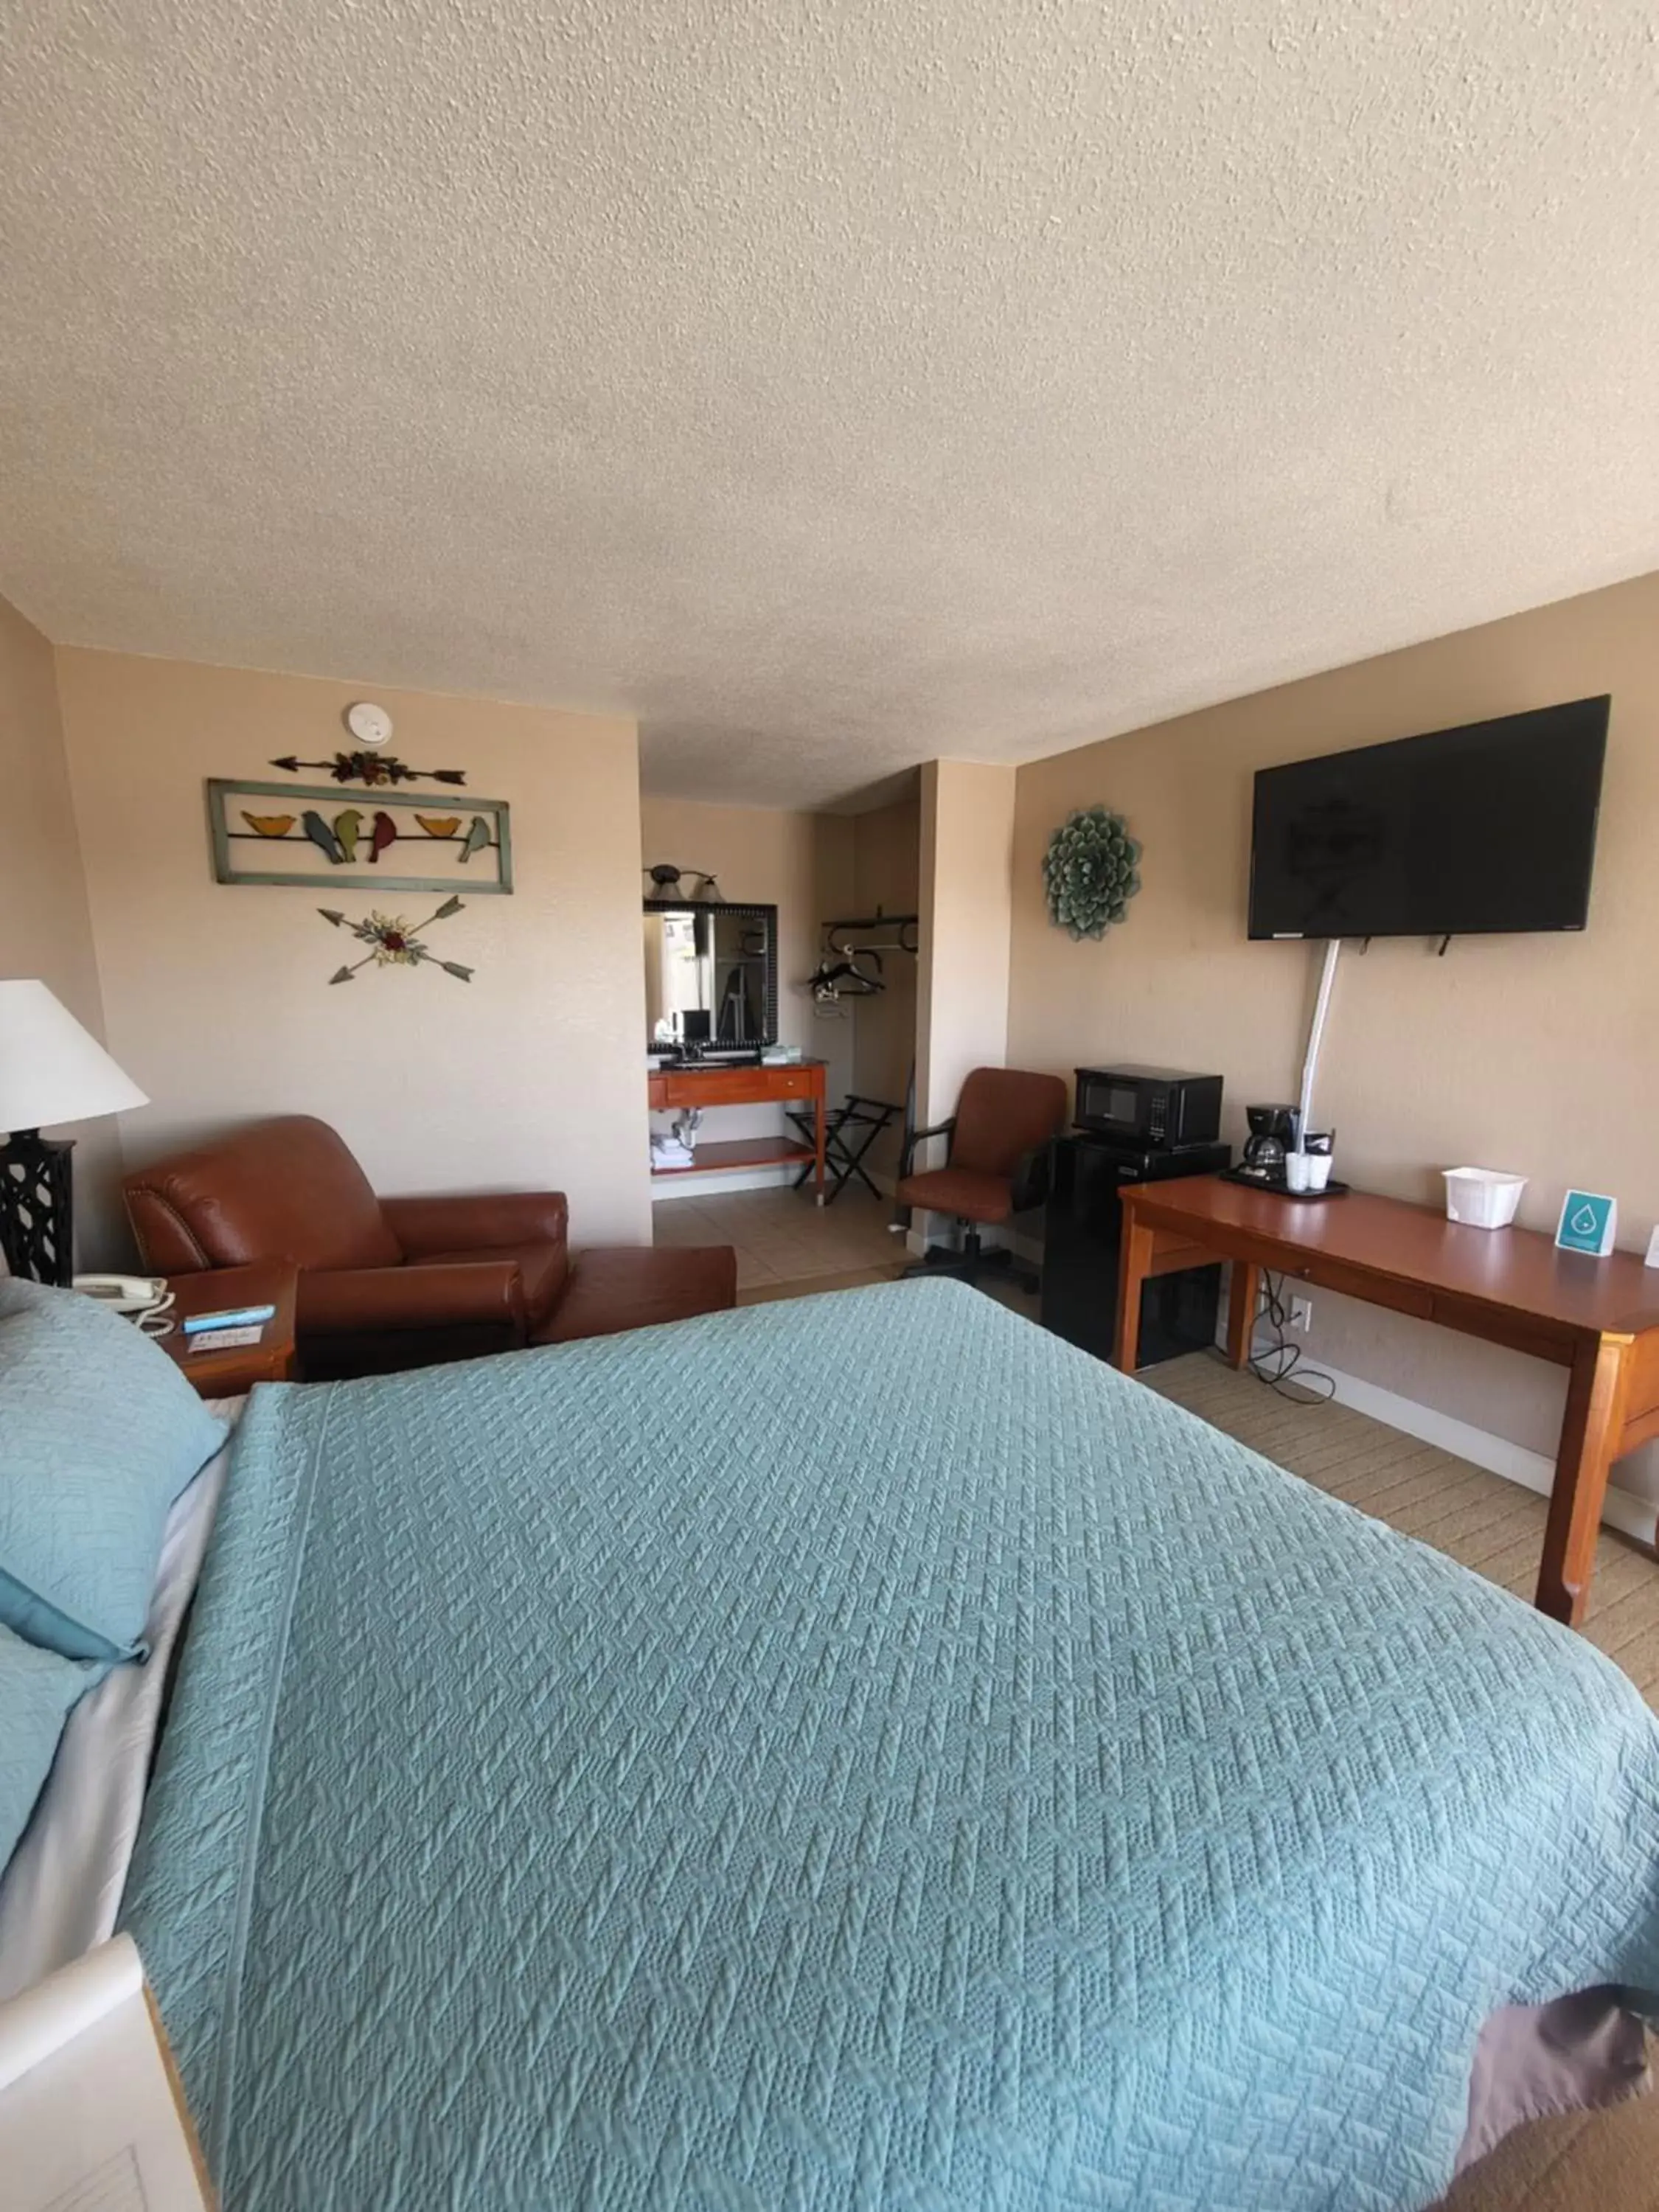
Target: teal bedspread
853	1753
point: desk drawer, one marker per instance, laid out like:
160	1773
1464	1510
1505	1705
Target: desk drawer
1519	1332
741	1086
729	1086
1371	1290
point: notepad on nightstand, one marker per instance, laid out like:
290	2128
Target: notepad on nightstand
226	1339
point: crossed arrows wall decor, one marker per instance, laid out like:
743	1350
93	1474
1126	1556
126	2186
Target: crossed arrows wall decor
377	771
394	943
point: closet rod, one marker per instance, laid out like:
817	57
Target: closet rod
857	927
877	921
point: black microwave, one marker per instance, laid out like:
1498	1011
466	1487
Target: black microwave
1157	1107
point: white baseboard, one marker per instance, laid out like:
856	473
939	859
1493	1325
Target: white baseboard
729	1180
1620	1508
1630	1515
693	1185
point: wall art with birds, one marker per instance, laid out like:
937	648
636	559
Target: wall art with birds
397	841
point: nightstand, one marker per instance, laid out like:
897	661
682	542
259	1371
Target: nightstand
226	1374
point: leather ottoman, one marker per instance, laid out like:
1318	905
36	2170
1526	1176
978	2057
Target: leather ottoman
632	1287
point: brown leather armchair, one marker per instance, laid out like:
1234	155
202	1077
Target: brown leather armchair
996	1165
393	1283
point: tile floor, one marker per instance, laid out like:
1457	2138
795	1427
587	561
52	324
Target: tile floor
787	1247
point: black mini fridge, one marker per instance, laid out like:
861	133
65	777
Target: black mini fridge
1081	1232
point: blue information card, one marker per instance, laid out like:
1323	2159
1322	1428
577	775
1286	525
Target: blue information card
1588	1223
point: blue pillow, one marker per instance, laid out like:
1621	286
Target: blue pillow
37	1689
98	1433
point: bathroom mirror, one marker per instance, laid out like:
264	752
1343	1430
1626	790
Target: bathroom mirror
711	976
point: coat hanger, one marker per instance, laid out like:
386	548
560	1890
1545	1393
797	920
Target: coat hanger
833	980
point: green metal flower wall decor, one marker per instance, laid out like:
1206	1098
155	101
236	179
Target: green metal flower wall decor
1090	872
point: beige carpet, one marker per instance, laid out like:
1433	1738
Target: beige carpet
1595	2162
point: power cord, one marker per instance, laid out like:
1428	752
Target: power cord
1279	1361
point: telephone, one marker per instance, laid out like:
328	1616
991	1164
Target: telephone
144	1299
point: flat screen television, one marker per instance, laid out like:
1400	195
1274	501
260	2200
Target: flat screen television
1461	833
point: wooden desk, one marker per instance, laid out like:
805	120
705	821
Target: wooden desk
716	1084
227	1373
1597	1318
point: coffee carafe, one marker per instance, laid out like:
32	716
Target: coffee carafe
1272	1132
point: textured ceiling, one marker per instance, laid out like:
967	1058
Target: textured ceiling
835	383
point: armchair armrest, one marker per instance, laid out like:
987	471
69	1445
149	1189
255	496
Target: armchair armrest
337	1301
917	1137
490	1221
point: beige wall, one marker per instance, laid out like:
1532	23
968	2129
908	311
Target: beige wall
887	874
800	863
962	1021
45	930
1537	1055
218	999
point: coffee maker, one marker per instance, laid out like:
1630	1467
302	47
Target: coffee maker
1272	1132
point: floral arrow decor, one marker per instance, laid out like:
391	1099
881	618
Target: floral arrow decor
374	770
1090	872
393	942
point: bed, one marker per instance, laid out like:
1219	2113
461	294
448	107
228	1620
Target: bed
854	1752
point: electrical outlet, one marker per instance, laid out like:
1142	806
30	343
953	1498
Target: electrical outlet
1302	1313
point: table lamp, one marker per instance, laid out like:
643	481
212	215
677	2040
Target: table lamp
51	1072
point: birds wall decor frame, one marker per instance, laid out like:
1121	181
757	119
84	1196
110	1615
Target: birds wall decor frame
396	841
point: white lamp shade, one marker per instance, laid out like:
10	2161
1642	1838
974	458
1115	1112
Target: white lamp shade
51	1070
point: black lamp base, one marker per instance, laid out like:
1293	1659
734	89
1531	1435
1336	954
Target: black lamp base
36	1216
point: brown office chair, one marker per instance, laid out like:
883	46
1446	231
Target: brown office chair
996	1165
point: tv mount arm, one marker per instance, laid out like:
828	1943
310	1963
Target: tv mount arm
1315	1036
1316	1031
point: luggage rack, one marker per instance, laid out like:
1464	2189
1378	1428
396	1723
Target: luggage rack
849	1131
